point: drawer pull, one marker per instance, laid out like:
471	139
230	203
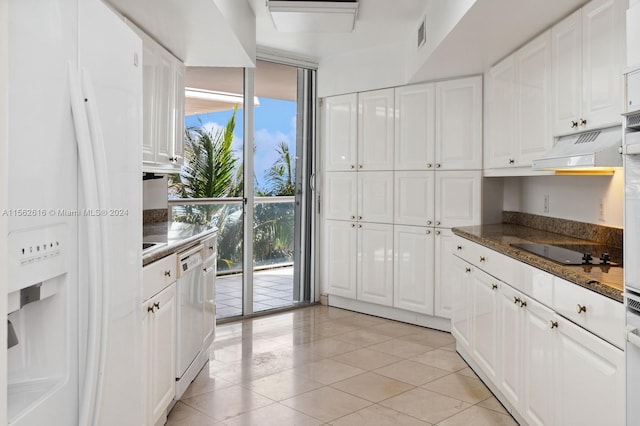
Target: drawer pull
581	308
494	286
523	303
429	222
428	232
353	218
437	222
437	232
482	259
459	248
167	273
516	299
359	217
554	324
156	305
467	269
151	308
429	165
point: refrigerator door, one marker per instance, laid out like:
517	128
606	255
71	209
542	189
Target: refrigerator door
110	57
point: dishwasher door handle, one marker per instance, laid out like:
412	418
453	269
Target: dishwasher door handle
631	336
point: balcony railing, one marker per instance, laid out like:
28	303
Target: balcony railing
273	228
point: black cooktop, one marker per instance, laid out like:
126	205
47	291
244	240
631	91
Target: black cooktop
576	254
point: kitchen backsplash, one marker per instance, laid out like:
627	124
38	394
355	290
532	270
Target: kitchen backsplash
150	216
588	231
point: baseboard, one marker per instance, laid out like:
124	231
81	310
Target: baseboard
438	323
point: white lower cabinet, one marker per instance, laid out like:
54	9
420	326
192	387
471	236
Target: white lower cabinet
547	369
340	254
445	244
159	336
413	269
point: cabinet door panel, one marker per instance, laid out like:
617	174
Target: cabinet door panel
458	198
566	50
459	124
461	291
149	67
445	246
582	359
413	269
603	23
375	197
164	108
539	397
340	195
415	127
340	132
163	329
500	114
375	130
533	100
485	291
340	258
414	196
178	131
510	344
375	263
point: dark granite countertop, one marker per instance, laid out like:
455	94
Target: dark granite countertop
171	237
608	282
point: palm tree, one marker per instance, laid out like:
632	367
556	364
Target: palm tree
281	175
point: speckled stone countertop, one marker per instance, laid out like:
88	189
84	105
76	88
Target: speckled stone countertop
171	237
607	281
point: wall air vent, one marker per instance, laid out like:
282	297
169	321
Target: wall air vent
300	16
588	137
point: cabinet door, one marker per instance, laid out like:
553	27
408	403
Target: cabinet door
375	197
340	258
538	396
415	127
510	343
445	246
603	41
340	132
588	378
500	114
458	198
375	263
178	120
566	69
164	136
533	100
341	195
149	98
375	130
414	198
459	124
460	277
413	269
163	349
484	311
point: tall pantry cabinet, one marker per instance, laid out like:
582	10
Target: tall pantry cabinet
399	170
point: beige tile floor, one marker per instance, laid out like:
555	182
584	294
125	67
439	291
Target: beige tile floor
328	366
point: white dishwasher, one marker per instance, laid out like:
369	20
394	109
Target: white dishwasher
189	326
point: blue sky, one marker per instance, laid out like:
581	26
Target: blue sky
274	121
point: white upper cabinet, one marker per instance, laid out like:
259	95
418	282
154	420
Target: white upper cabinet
341	195
458	139
415	127
587	61
458	199
414	198
413	269
517	112
341	132
375	130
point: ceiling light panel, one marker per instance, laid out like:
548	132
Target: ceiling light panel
297	16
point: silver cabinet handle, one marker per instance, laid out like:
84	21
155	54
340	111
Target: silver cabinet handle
167	273
437	222
156	305
353	225
359	166
583	122
512	161
151	308
581	308
429	222
429	165
353	166
482	259
437	232
467	269
523	303
554	324
516	299
494	286
428	232
574	124
438	165
459	248
359	217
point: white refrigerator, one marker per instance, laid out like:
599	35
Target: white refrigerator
74	205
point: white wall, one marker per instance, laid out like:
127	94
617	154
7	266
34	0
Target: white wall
570	197
154	194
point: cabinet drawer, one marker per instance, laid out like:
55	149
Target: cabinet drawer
158	275
596	313
490	261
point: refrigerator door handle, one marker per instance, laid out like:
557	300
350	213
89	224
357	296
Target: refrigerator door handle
90	189
631	336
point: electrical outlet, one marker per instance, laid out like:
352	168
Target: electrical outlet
546	203
601	215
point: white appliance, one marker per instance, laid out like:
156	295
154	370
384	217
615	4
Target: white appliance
631	141
189	324
74	198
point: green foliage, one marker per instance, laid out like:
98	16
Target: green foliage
281	175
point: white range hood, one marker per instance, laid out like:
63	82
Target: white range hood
595	149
